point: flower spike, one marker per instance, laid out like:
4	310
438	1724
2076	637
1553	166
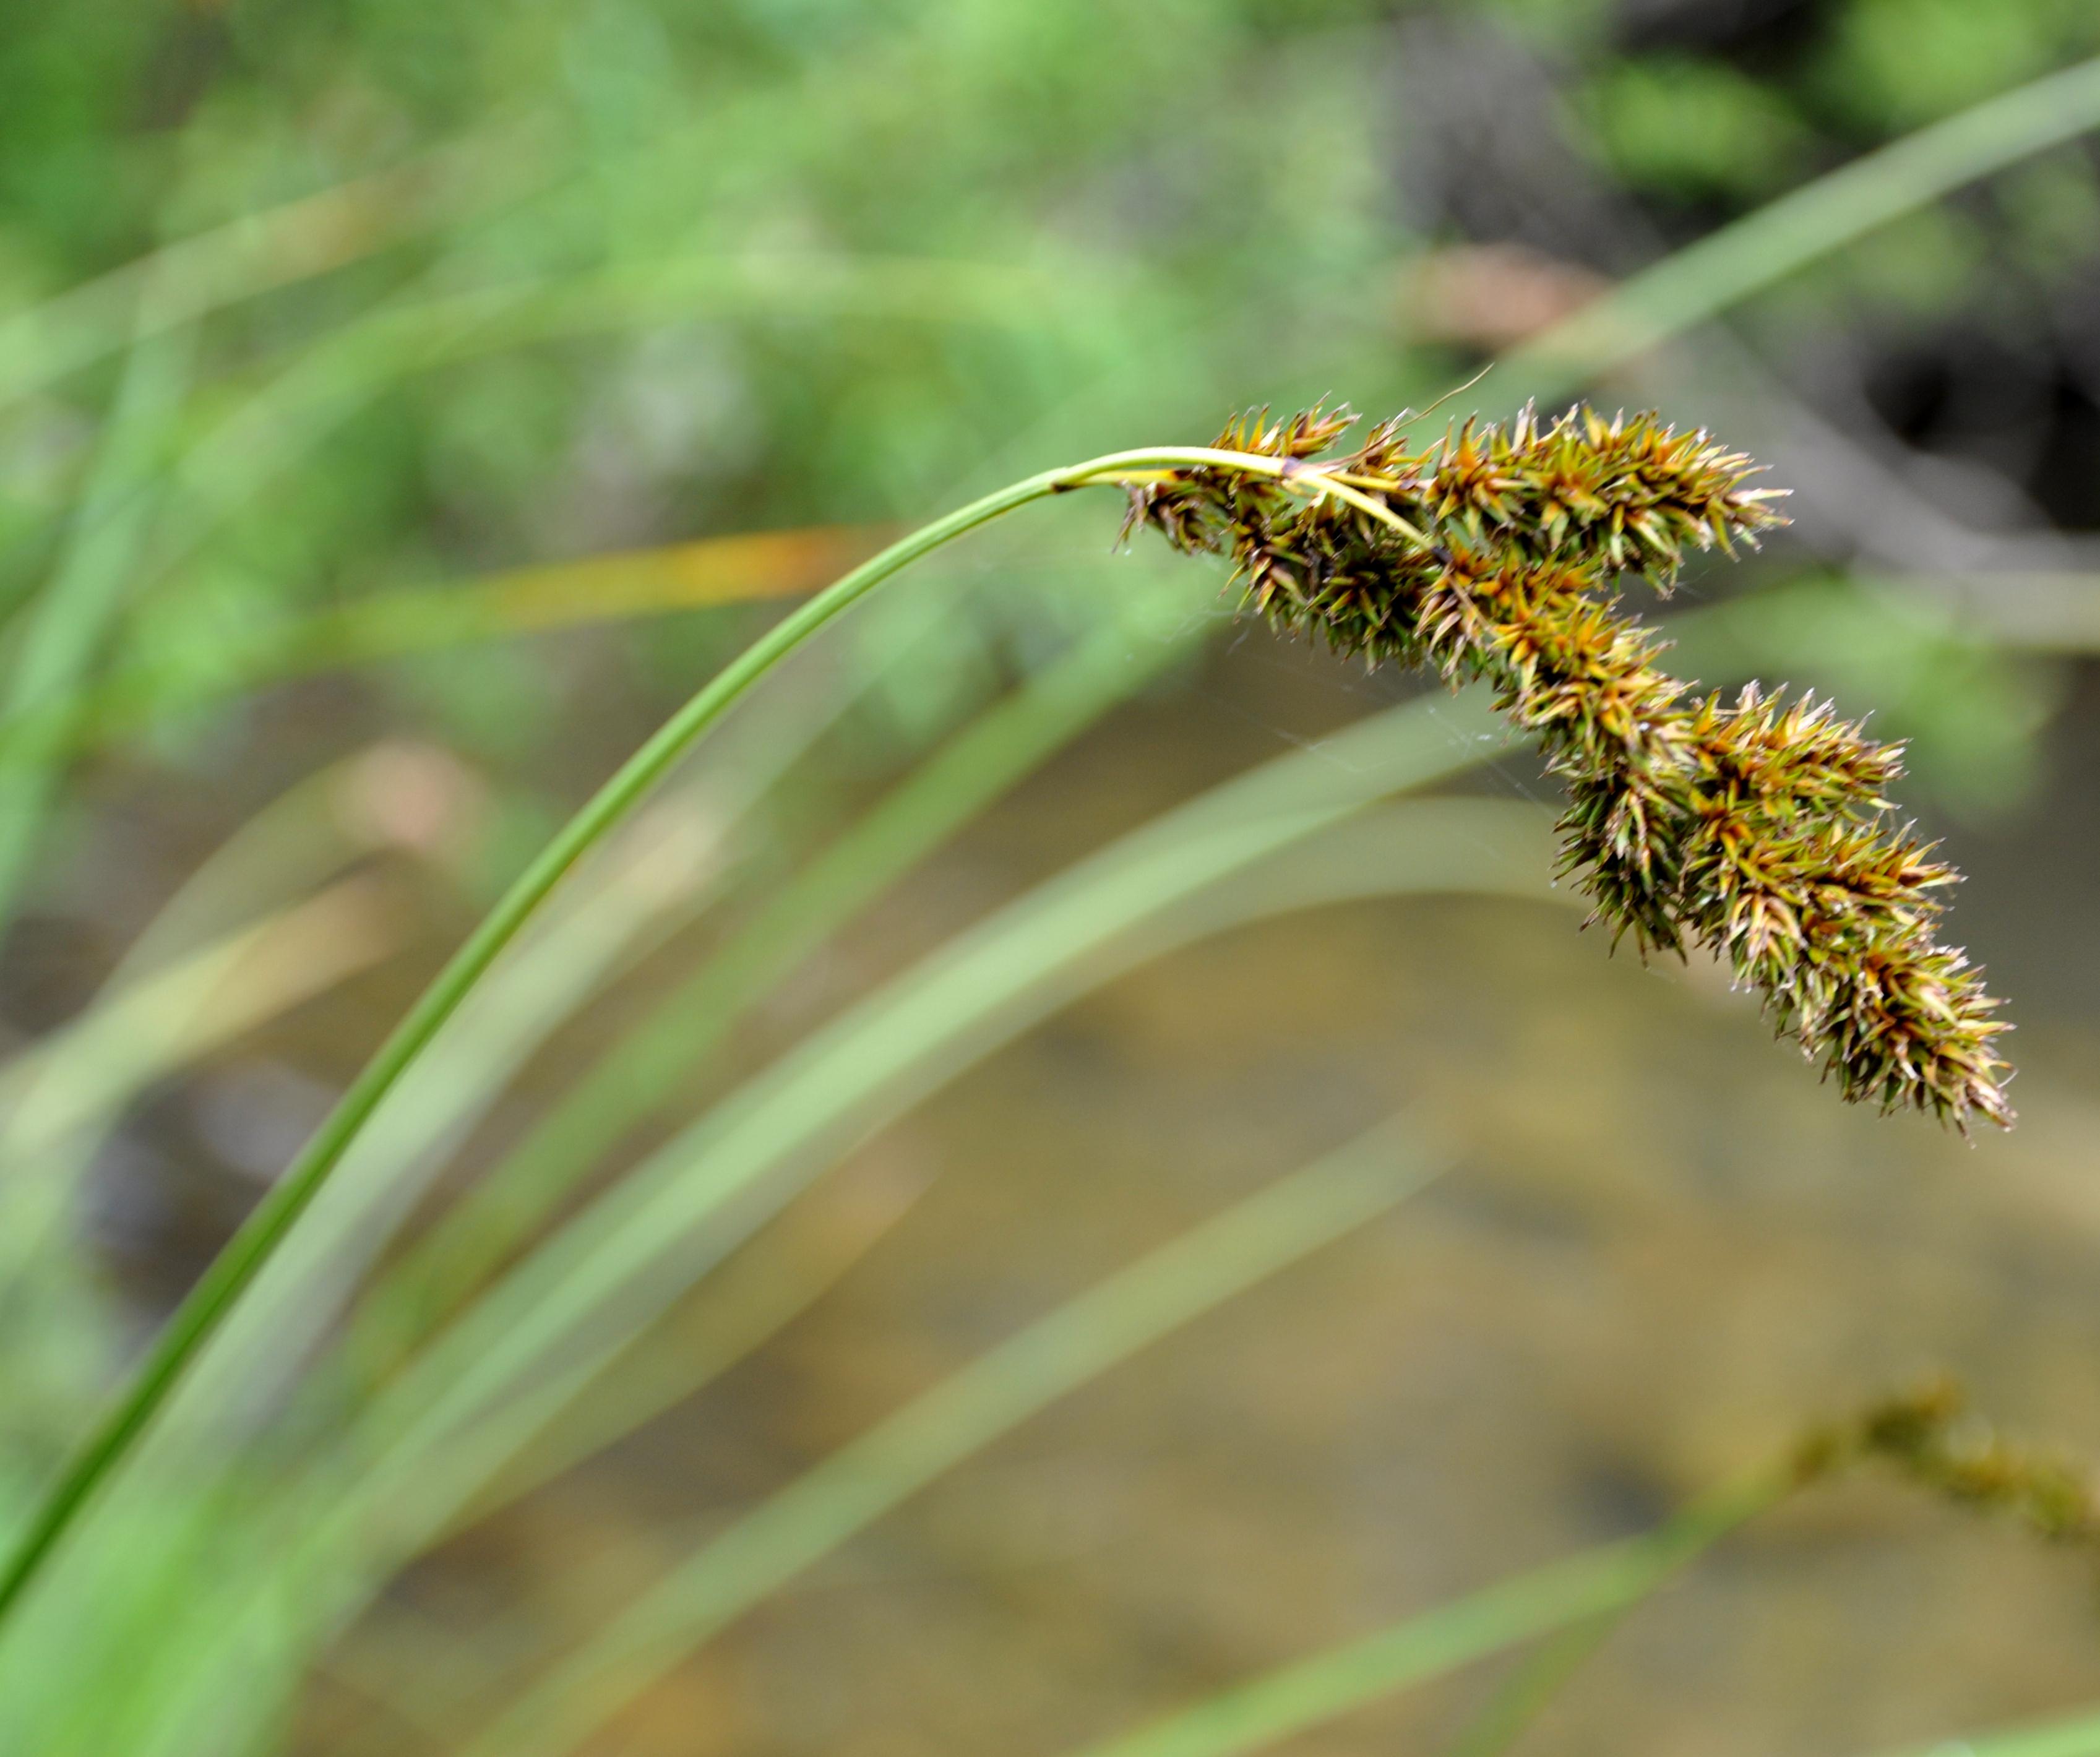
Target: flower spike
1758	829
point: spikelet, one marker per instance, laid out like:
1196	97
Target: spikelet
1758	829
1927	1435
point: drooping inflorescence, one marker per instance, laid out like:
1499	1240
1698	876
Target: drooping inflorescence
1757	828
1927	1435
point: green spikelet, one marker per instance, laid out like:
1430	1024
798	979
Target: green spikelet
1756	828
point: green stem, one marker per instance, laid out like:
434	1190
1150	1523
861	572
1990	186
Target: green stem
641	1070
1574	1590
230	1272
1542	1676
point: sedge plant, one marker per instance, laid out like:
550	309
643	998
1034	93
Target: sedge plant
1962	1083
1753	828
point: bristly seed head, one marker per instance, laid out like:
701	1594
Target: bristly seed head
1756	828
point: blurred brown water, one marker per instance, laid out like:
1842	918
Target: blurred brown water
1665	1248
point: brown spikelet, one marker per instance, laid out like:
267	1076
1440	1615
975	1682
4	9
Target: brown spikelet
1758	829
1927	1436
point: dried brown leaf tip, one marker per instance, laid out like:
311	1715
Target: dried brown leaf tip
1758	827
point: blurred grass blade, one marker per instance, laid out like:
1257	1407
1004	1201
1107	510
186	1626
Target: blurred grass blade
434	324
144	1031
2075	1736
1315	1692
1520	1699
396	795
241	943
69	619
259	252
835	1500
198	1491
276	427
779	1276
643	887
651	1063
1701	280
235	1268
609	1265
62	1099
1458	845
741	569
396	1493
588	1401
746	568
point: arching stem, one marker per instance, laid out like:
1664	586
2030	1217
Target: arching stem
194	1322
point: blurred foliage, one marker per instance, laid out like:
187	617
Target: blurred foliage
631	272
